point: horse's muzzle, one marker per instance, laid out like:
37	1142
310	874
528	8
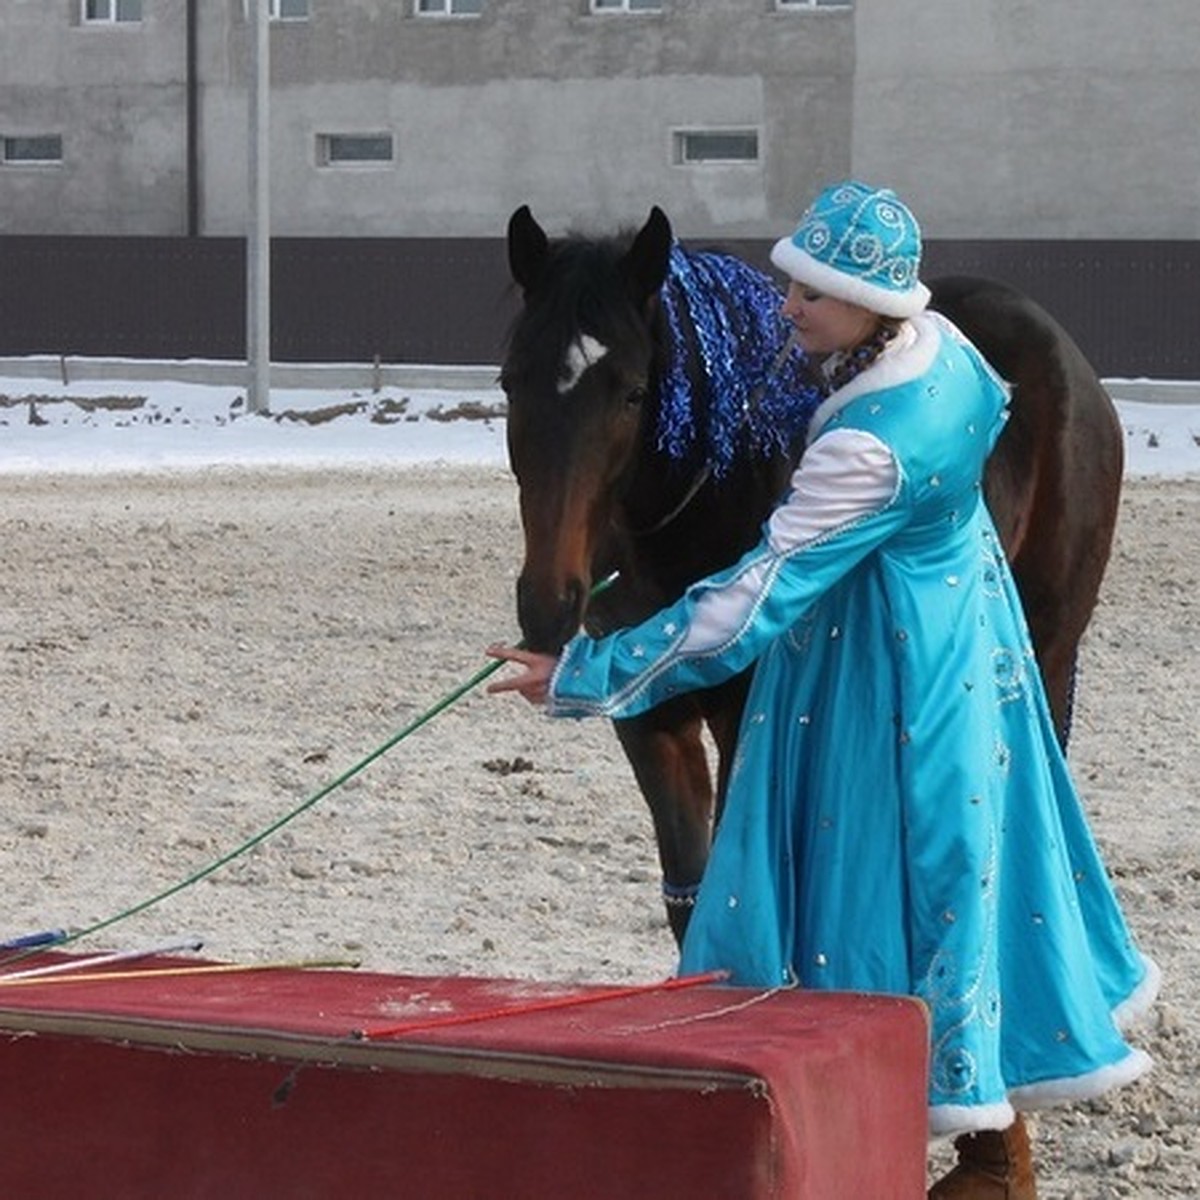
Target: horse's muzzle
549	614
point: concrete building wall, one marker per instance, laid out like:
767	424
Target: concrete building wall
995	118
539	103
1022	118
115	94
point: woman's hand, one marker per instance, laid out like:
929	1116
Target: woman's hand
534	682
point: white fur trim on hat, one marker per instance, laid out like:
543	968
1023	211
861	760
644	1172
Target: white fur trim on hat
799	265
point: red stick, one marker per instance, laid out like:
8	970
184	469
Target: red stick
519	1010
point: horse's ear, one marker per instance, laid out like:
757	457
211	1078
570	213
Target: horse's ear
648	258
527	247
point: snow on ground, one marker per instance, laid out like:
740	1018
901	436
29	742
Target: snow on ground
116	425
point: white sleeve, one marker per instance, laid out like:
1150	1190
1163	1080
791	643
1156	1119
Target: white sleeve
845	476
843	505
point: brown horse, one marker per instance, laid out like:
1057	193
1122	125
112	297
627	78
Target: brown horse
617	472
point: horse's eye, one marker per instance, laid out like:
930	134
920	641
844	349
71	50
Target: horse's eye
636	397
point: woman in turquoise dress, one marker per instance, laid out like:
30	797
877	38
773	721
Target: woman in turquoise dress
899	816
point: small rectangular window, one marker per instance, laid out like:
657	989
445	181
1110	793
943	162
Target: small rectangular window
715	146
448	8
353	149
280	10
33	149
599	6
108	12
788	4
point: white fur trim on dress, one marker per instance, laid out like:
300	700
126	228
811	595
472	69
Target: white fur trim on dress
949	1120
1137	1004
1082	1087
799	265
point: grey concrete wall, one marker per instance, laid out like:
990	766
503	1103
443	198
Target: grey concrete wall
995	118
116	95
541	103
1027	118
598	154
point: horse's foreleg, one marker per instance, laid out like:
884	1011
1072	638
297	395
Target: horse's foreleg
668	757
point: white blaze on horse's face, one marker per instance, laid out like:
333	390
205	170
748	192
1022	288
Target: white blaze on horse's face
585	351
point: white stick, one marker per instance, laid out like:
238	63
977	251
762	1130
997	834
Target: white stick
97	960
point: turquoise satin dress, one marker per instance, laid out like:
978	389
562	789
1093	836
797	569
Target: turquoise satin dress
899	815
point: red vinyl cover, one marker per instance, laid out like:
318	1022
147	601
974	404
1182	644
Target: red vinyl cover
315	1083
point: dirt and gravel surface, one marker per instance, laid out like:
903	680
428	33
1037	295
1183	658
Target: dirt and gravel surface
186	658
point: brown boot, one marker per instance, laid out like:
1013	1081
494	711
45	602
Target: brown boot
992	1165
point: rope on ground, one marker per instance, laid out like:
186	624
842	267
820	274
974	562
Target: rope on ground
428	715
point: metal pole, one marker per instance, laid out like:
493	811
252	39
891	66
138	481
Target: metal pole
258	233
193	122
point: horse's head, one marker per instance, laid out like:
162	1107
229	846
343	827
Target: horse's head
579	373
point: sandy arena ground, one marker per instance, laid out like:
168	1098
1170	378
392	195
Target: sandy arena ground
186	658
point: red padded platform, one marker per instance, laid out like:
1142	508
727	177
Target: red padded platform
251	1084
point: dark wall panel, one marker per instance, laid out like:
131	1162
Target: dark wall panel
126	297
1131	305
420	300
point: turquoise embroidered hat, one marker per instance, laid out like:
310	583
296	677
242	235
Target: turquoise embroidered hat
859	244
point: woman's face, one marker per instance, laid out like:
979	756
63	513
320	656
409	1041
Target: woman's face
824	324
